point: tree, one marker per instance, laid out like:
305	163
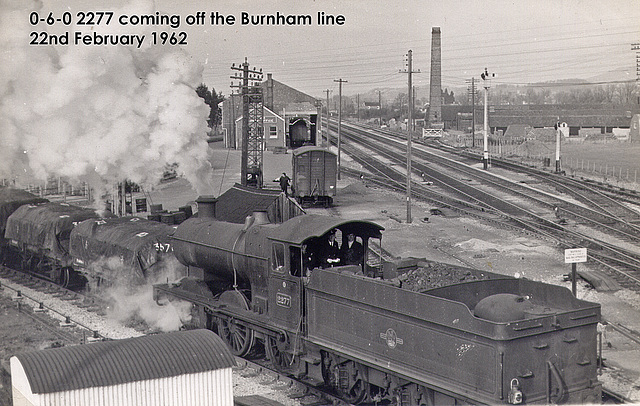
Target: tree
448	98
212	99
627	92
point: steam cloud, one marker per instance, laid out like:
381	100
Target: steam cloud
98	114
131	299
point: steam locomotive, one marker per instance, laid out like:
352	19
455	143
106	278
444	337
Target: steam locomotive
351	323
73	245
490	339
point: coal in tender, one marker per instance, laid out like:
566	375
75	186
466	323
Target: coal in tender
428	276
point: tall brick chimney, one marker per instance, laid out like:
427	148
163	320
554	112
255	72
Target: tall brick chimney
435	81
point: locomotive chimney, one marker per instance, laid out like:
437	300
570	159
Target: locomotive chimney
206	206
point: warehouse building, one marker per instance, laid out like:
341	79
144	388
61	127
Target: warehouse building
579	119
187	368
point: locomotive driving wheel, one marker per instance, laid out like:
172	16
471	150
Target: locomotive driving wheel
238	337
276	353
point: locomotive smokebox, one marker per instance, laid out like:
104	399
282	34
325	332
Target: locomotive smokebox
206	206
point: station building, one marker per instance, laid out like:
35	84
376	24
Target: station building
290	117
161	369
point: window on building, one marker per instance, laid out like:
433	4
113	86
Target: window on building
273	131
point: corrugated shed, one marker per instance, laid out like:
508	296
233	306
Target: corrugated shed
10	200
122	361
212	388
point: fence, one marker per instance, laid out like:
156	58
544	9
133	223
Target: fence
54	187
544	156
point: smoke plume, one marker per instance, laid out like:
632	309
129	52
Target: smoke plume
98	114
130	296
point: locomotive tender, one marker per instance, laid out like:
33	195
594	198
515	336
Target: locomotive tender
495	340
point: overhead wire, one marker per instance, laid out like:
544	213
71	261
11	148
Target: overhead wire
363	65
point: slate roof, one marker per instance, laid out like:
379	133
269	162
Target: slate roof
517	130
284	95
546	115
237	203
122	361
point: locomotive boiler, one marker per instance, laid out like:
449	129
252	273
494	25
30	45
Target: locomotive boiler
360	329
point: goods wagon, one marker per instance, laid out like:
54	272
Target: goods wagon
314	175
10	200
39	235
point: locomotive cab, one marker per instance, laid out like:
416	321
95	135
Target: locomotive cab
297	251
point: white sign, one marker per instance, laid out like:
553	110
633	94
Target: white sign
574	255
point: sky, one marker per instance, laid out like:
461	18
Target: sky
521	41
72	107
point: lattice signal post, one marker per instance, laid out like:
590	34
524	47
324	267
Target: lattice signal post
252	123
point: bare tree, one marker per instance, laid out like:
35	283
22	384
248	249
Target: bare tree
627	92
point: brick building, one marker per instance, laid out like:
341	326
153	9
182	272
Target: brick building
299	114
598	117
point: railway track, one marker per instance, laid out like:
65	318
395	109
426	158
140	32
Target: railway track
463	188
307	393
21	282
71	331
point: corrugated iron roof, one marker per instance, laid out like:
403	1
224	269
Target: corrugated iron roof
121	361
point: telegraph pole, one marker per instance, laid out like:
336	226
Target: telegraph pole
409	71
327	128
486	80
636	47
380	107
340	81
252	123
472	93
